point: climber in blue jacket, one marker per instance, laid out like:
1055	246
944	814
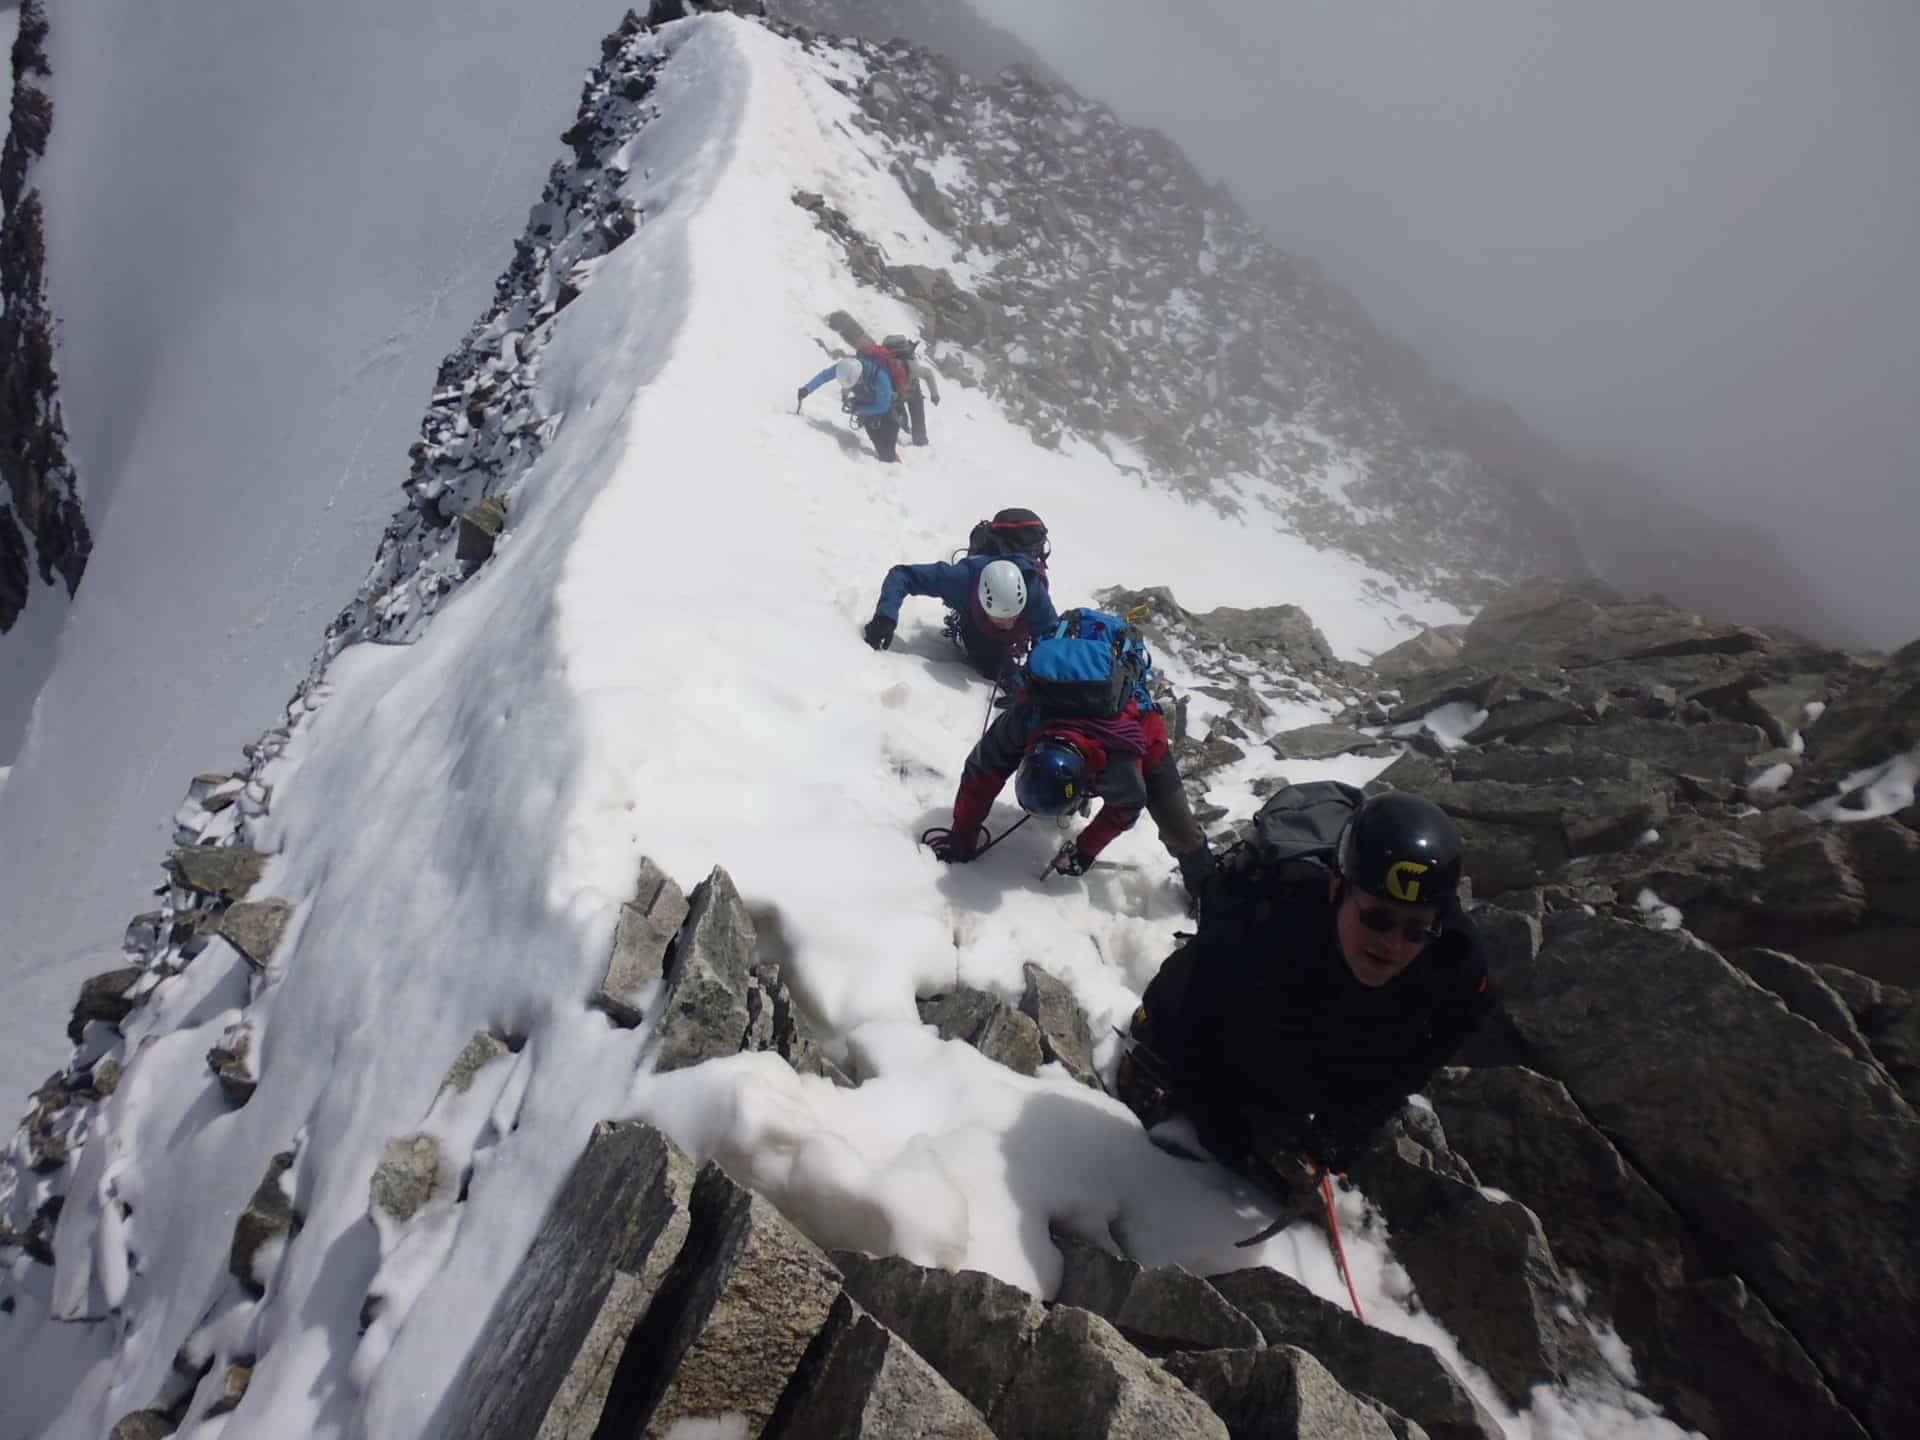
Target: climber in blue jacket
866	393
998	604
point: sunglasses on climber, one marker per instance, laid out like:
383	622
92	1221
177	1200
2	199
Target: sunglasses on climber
1383	919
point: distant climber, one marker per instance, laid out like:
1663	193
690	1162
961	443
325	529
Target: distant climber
867	393
922	384
995	603
1334	971
1073	735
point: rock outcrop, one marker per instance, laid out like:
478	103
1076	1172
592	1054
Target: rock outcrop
994	1028
42	525
545	1363
1700	1339
641	938
721	997
1754	1126
1407	1376
1626	750
1484	1267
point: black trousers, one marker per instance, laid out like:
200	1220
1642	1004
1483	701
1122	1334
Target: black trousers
884	431
917	414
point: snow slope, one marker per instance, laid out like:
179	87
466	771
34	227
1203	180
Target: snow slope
27	655
663	660
267	225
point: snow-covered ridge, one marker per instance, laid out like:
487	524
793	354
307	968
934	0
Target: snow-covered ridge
660	659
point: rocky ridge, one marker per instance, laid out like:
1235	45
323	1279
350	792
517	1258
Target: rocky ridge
1628	753
1626	1152
42	526
1696	847
484	426
481	432
1733	1318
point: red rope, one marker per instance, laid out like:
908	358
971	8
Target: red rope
1339	1250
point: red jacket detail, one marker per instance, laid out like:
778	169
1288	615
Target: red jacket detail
1116	777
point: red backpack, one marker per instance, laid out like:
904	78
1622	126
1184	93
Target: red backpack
896	370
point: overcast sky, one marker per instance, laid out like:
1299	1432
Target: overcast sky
1682	232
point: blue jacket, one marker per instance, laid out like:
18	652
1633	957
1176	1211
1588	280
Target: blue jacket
877	374
954	584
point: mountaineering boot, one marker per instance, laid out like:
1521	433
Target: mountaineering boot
1140	1083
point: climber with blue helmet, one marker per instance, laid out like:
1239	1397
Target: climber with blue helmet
1052	780
1063	763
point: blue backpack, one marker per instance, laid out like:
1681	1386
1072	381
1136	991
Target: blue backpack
1090	664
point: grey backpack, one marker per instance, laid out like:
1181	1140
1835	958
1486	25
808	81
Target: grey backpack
1296	841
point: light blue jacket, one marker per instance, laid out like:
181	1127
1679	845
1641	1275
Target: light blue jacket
869	370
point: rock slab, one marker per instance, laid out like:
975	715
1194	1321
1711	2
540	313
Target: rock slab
1407	1376
859	1378
1278	1394
733	1319
545	1362
1759	1129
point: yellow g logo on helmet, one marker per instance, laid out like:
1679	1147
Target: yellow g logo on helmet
1403	880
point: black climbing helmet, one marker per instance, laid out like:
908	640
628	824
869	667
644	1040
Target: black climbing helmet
1402	847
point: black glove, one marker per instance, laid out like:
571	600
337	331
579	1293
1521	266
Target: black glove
1335	1145
879	632
800	397
1070	860
936	399
951	847
1195	868
1293	1183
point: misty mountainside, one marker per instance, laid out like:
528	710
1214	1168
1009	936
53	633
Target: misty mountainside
549	1027
1133	303
1615	522
1120	297
956	31
1109	293
43	530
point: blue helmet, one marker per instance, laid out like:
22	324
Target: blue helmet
1053	778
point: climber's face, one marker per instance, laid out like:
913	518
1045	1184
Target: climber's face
1380	938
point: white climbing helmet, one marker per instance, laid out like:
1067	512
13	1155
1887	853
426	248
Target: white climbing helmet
1002	590
847	372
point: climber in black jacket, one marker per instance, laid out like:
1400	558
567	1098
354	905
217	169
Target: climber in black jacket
1306	1010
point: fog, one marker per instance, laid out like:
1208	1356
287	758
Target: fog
1685	235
